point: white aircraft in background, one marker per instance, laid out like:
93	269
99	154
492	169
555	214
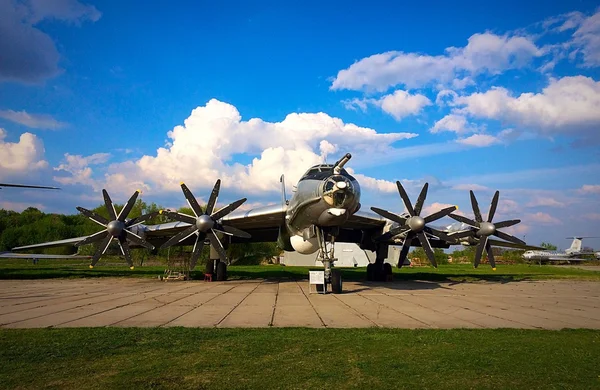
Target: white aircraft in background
568	255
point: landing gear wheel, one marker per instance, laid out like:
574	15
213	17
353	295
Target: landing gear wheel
221	271
210	267
370	269
336	281
387	271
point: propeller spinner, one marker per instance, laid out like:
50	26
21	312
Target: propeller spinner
204	223
116	227
415	225
486	229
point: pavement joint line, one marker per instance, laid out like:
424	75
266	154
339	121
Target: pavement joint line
239	303
357	312
275	304
396	310
120	306
162	303
195	307
311	305
85	296
76	307
509	308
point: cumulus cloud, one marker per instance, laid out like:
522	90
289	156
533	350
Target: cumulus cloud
205	146
484	53
399	104
455	123
566	105
79	170
479	140
22	157
542	219
584	42
589	189
28	54
543	201
35	121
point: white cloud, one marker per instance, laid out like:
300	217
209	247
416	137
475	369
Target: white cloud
592	216
484	53
470	187
566	105
455	123
28	54
379	185
587	37
542	219
479	140
589	189
36	121
79	169
399	104
434	207
545	201
20	158
203	148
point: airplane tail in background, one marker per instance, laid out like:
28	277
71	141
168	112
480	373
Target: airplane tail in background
575	245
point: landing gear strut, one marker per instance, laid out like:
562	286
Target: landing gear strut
326	255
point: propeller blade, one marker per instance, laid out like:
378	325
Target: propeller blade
493	206
440	214
93	238
142	218
405	199
439	234
127	208
125	251
466	220
405	249
216	243
388	215
479	251
510	238
227	209
475	205
421	199
93	216
392	233
191	200
138	240
504	224
102	247
234	231
179	216
513	245
488	249
198	246
427	248
109	205
213	197
179	236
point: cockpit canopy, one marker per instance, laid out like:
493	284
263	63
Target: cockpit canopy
322	171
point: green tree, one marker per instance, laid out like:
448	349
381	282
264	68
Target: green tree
548	246
438	254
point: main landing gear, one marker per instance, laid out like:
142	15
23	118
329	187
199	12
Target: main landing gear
380	271
333	277
216	267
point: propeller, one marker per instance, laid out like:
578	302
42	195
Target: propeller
415	225
204	224
486	229
117	226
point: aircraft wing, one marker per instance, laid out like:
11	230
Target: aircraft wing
364	220
11	255
51	244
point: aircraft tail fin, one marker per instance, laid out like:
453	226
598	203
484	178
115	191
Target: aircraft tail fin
575	245
283	196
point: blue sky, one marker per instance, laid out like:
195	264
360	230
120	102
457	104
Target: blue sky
501	95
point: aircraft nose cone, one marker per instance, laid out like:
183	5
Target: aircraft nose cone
486	229
204	223
115	228
416	223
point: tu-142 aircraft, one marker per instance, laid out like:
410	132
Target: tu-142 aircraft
325	208
573	253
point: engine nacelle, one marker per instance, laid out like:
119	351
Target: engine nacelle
305	247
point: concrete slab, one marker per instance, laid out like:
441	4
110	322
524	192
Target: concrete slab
259	303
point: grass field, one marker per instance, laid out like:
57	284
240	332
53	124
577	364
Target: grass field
46	269
104	358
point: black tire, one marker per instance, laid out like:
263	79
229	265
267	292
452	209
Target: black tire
319	287
210	267
370	272
387	271
336	281
221	271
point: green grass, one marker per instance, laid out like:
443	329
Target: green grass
47	269
132	358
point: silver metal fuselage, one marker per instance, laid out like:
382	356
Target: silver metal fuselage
323	199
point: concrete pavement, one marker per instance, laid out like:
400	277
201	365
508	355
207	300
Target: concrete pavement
257	303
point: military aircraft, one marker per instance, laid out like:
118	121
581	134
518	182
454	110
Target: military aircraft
325	208
572	253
